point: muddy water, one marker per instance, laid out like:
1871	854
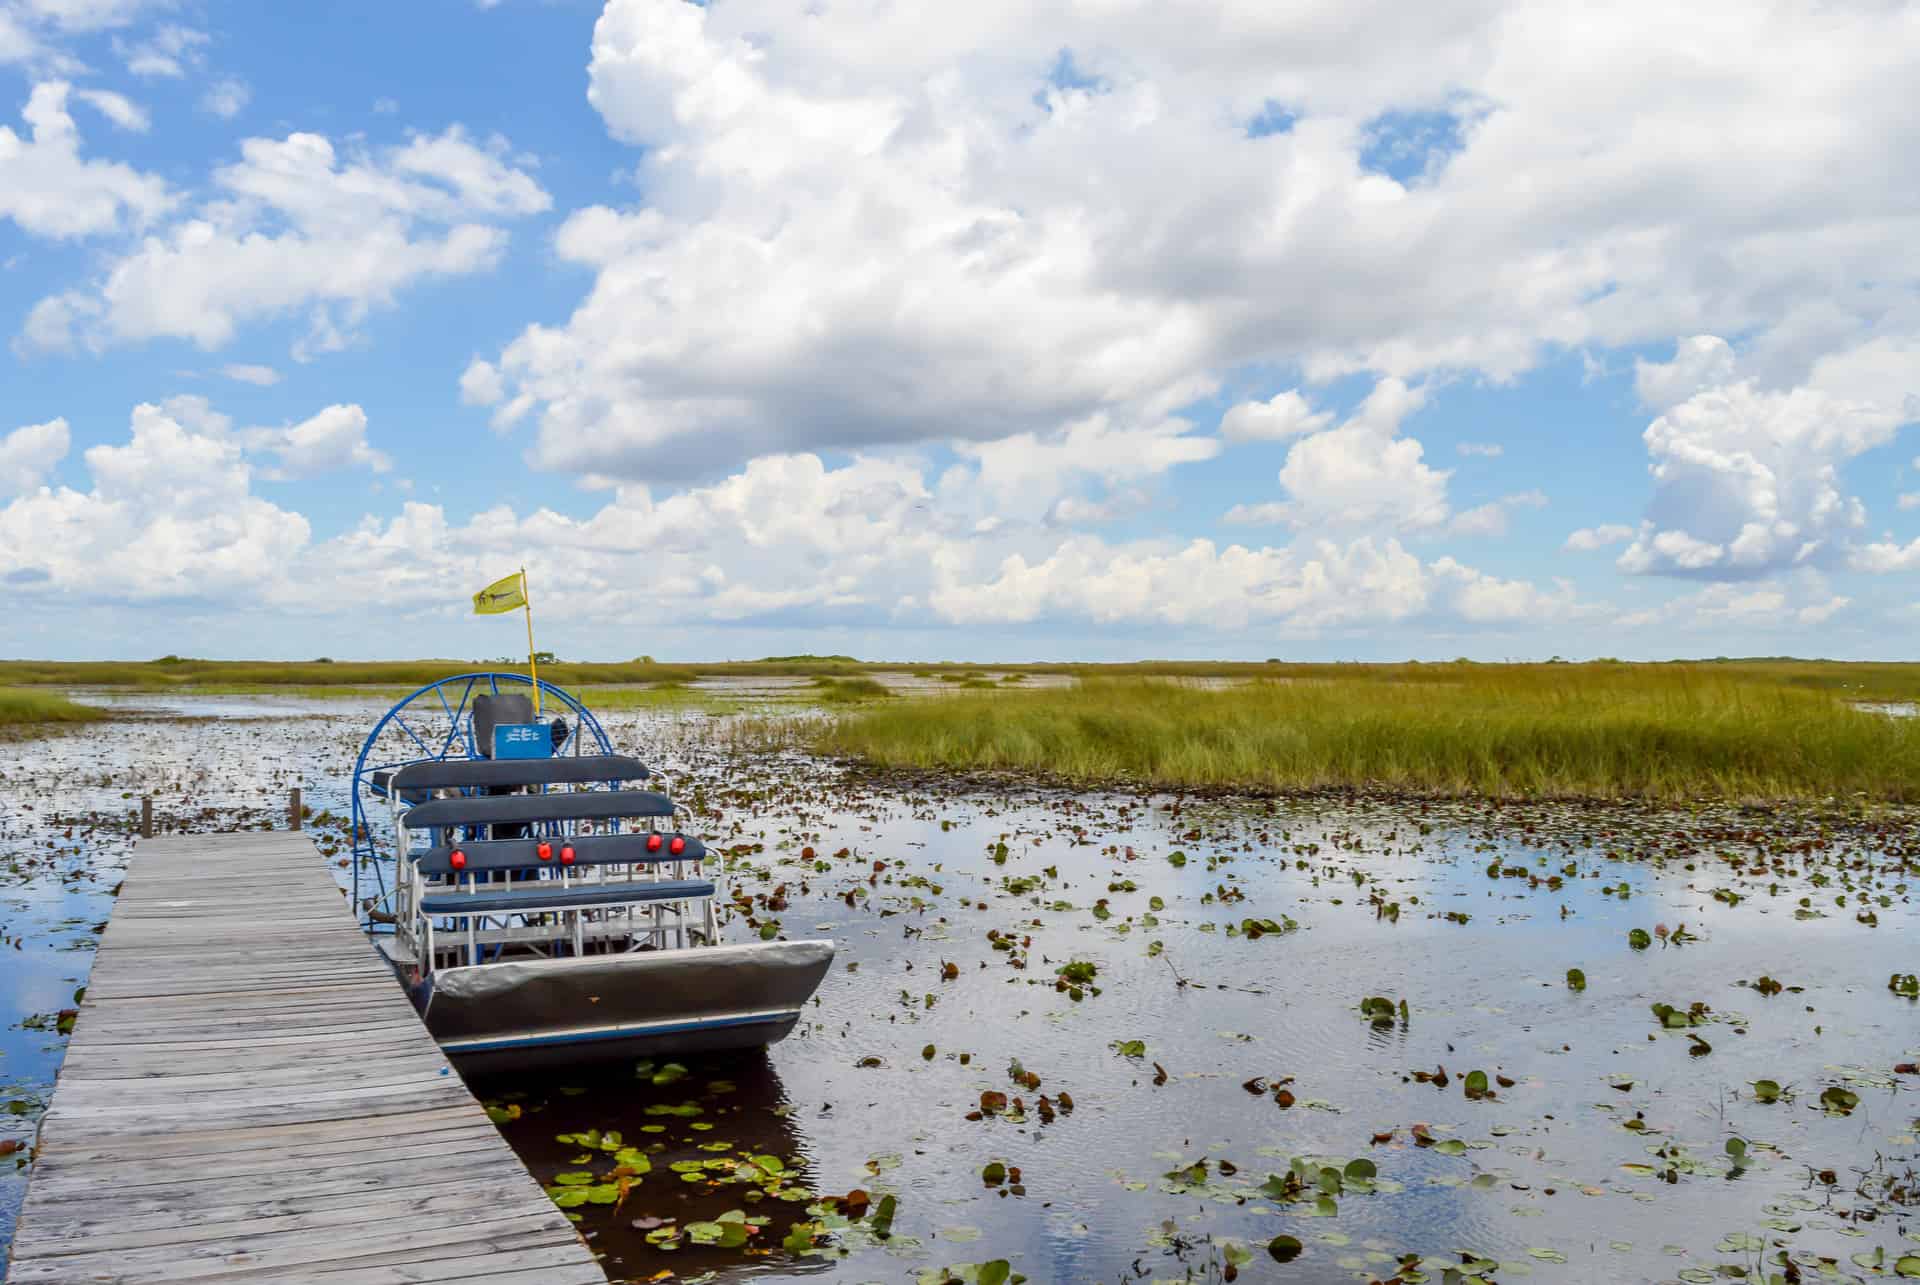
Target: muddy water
1200	1059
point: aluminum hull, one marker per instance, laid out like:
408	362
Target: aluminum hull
526	1014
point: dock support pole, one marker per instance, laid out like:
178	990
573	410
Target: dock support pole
293	810
146	817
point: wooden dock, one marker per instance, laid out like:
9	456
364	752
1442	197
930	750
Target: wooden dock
248	1096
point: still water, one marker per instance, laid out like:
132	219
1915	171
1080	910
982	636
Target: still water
1142	1110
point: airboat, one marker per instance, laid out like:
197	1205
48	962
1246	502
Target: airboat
536	906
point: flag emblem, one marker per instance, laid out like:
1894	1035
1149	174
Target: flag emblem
506	594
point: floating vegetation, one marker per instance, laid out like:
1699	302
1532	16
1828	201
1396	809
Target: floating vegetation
1113	1036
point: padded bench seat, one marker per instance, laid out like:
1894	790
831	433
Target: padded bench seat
473	774
547	894
582	805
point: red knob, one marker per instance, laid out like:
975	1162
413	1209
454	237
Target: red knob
545	851
653	843
566	855
458	860
678	845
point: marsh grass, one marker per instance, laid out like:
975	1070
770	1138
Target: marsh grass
29	709
849	691
1647	731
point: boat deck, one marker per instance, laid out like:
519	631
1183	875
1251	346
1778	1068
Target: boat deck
247	1095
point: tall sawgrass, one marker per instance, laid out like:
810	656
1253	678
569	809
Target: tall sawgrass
1657	732
30	709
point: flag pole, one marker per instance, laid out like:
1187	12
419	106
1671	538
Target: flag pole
533	668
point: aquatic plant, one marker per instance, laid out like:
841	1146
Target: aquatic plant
1671	733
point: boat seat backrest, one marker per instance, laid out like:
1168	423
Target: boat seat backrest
493	709
484	855
481	774
570	805
551	894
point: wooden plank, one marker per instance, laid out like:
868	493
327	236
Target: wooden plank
248	1096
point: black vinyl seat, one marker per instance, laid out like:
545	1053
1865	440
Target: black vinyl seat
581	805
472	774
548	894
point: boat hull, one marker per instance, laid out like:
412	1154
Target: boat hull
519	1015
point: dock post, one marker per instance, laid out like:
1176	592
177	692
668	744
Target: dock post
146	817
293	810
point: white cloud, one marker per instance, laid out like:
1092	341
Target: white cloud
1587	539
480	385
1022	475
1699	363
300	228
1490	519
1486	450
1768	607
1269	513
1909	500
333	440
259	376
168	54
86	15
861	229
1285	415
1318	586
28	454
174	514
1887	555
226	98
31	31
1363	474
1747	480
118	108
50	190
170	514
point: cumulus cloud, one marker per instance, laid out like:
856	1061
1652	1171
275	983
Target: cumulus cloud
1363	473
170	514
1284	415
174	513
50	190
1699	363
862	230
298	227
1746	479
28	454
1587	539
330	441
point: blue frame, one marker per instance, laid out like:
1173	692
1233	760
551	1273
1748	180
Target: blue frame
457	743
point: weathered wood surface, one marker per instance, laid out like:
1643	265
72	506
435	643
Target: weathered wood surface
248	1096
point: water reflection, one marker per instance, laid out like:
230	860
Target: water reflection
719	1134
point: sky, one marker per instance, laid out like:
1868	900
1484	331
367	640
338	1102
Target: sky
1048	329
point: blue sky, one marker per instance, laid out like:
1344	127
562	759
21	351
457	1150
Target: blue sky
1023	331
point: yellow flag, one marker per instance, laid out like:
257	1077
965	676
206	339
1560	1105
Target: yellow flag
506	594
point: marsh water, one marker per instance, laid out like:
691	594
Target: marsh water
1117	1037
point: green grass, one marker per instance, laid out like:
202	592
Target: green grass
1666	732
849	691
30	709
